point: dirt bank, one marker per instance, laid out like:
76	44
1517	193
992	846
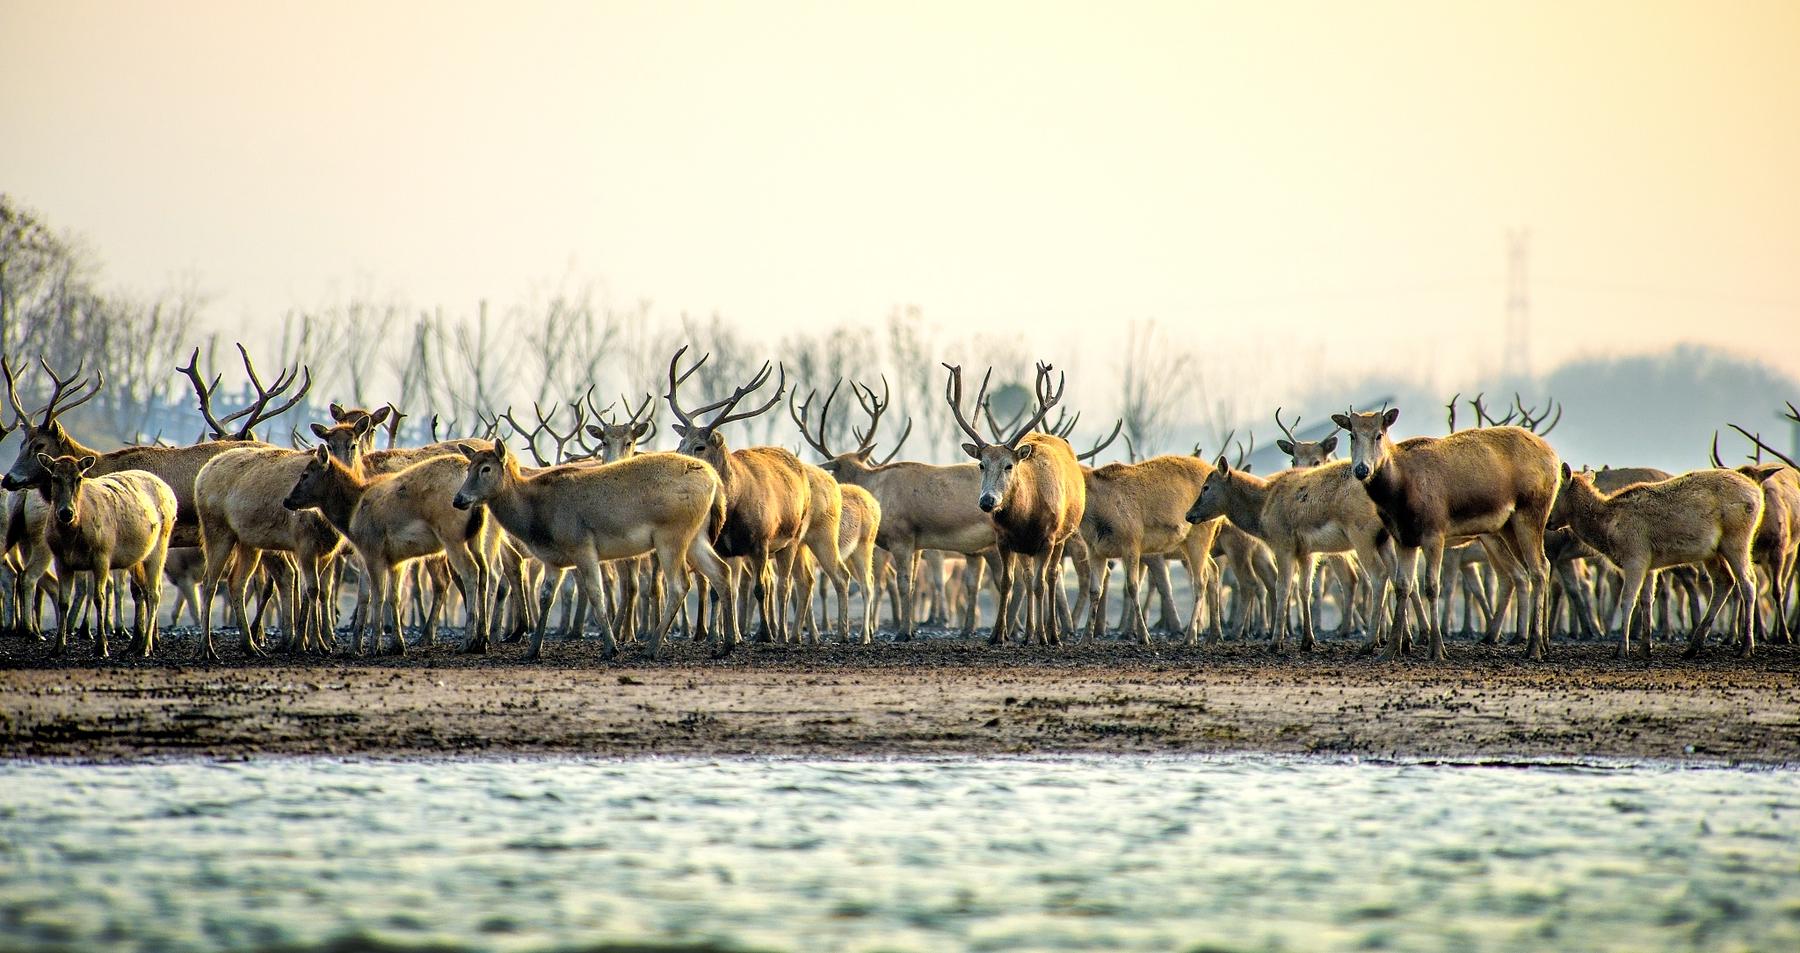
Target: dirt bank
942	696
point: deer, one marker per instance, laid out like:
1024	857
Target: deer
1497	481
857	529
579	517
1706	517
1777	544
1033	491
395	518
775	502
1304	454
923	506
175	466
1299	513
1138	510
102	523
238	495
617	441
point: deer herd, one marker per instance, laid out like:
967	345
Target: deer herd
1401	528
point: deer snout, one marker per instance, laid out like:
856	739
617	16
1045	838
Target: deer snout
11	482
65	515
989	502
1361	471
461	502
287	503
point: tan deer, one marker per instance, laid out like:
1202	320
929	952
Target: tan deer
1134	510
1706	517
775	502
1299	513
103	523
923	506
1499	481
1032	489
580	517
395	518
175	466
238	495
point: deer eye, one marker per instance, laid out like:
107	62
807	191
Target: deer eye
1009	467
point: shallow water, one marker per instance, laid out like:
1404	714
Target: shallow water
983	854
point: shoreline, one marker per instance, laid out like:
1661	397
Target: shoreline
942	697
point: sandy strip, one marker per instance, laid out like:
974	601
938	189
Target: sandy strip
939	697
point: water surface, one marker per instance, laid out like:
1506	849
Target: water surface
980	854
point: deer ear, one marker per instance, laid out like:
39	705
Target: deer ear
595	432
46	461
638	430
1222	465
500	449
1567	473
972	450
321	431
1024	452
680	429
321	453
1341	421
1285	447
364	425
715	439
467	451
337	412
86	463
380	416
1329	443
1387	419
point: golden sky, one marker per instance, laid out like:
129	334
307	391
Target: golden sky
1313	185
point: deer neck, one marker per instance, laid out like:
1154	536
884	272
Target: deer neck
1244	502
1587	515
76	448
342	493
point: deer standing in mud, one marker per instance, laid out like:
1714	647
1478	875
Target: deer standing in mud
1032	490
99	524
1706	517
580	517
924	506
1497	481
396	518
775	502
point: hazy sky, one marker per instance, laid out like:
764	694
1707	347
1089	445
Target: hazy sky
1327	183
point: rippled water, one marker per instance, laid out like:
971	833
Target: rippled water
984	854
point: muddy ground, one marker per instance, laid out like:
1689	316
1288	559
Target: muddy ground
941	696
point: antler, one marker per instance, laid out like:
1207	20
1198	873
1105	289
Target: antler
258	413
1530	422
204	392
1483	418
60	387
20	416
804	412
1102	445
1244	454
994	426
675	384
1715	452
1757	439
393	424
1287	431
1046	400
1065	424
529	433
726	407
1452	408
953	394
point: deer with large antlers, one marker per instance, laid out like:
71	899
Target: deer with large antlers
1033	491
923	506
1498	481
774	501
175	466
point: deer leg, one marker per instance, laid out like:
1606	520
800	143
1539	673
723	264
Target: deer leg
1098	572
1631	598
1285	558
64	599
552	584
1405	574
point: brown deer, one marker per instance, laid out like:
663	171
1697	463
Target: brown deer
923	506
1498	481
103	523
1299	513
1708	517
1136	510
618	441
1777	542
581	517
175	466
775	502
1032	489
238	495
395	518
